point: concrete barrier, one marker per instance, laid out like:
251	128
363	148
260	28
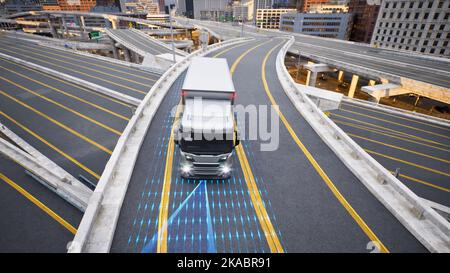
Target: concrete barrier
430	228
72	79
96	230
46	171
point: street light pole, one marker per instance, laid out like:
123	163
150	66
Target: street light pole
171	34
242	17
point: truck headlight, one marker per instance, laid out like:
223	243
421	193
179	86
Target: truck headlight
225	169
186	168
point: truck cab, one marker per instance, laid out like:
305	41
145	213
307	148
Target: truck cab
206	131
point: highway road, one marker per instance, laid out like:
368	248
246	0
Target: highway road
72	125
387	61
139	40
419	149
298	198
34	219
130	81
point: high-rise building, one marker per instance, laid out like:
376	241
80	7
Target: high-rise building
306	4
270	18
329	25
15	6
365	16
421	26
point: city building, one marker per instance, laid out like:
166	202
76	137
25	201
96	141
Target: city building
76	5
270	18
14	6
328	8
143	6
330	25
307	5
420	26
364	18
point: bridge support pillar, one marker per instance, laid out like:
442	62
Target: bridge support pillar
312	78
64	30
340	76
114	23
115	51
126	54
134	57
353	84
82	27
314	69
52	27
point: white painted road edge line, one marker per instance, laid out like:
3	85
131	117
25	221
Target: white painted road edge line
100	89
97	227
430	228
398	111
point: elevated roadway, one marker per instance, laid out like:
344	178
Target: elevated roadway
353	57
417	148
140	42
123	79
74	126
311	201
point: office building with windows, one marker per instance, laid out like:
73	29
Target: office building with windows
420	26
329	25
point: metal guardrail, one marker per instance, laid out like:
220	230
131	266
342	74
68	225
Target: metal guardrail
430	228
96	230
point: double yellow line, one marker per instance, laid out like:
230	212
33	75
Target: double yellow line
314	163
258	204
38	203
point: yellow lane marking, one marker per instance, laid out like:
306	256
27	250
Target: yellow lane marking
364	227
407	162
422	182
86	67
164	205
73	160
64	107
68	83
238	60
228	49
392	131
68	94
39	204
258	204
398	117
380	132
57	123
399	148
395	123
105	62
69	57
85	74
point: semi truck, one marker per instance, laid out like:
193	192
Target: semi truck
205	131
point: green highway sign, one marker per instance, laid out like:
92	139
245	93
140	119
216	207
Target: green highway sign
94	35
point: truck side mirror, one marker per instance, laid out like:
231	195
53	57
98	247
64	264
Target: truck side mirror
176	134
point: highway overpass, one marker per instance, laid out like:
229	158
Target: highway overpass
418	74
302	197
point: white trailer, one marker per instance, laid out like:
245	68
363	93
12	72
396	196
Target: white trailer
206	133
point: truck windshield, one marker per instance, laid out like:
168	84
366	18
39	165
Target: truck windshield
203	146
